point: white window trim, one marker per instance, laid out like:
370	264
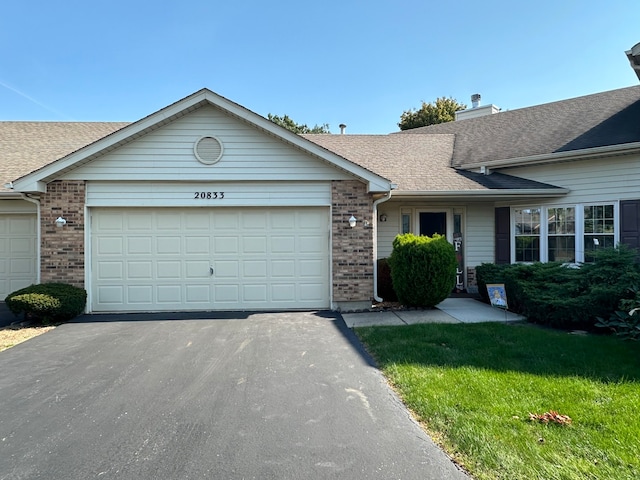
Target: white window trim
579	228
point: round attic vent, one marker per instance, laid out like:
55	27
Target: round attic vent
208	150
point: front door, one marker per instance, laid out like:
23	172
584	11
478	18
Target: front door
433	222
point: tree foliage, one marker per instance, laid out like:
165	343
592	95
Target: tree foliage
442	110
289	124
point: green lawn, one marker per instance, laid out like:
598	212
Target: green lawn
474	386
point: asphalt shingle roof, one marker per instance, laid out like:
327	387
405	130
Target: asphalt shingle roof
28	146
415	162
602	119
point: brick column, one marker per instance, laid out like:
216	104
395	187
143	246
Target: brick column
352	247
62	249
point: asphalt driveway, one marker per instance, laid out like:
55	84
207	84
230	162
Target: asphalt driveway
267	396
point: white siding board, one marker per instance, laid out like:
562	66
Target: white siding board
175	194
17	206
167	154
597	180
479	235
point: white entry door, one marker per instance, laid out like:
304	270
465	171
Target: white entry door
173	259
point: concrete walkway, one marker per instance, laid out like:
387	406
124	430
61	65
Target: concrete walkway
451	310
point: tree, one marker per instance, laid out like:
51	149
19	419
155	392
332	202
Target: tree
289	124
441	111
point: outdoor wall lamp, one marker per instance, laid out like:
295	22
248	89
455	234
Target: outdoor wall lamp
60	222
352	221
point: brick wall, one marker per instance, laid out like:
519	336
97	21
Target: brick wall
352	247
62	249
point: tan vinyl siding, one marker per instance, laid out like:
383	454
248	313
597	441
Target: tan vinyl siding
17	206
166	154
388	230
590	181
229	194
479	234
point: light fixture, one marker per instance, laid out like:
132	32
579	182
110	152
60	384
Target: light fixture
60	222
352	221
383	217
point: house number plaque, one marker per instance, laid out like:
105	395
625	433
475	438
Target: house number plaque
208	195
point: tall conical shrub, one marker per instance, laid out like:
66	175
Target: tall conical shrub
423	269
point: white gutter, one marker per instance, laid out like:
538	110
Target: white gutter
586	153
375	241
513	192
38	232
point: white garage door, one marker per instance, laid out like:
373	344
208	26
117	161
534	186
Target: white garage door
17	252
209	259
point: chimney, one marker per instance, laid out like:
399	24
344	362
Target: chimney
343	127
476	110
634	58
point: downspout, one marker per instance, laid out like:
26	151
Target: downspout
375	240
25	196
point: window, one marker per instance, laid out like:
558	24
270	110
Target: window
561	229
599	229
406	223
527	234
565	234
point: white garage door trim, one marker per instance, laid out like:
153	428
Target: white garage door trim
18	252
173	259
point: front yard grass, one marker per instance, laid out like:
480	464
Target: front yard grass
474	386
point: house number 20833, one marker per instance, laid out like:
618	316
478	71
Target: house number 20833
208	195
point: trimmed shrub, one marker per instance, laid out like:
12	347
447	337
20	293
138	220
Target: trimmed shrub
423	269
48	302
385	285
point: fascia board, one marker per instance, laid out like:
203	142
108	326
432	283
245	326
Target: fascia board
609	150
477	194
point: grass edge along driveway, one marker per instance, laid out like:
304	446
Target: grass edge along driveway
473	388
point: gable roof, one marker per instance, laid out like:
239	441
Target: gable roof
422	164
594	123
36	180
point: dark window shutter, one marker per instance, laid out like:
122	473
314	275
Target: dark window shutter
630	223
503	235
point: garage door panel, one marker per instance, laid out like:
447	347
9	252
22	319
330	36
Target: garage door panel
168	245
261	259
111	270
110	246
110	295
140	295
140	270
140	245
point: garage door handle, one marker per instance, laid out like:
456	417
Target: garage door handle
210	270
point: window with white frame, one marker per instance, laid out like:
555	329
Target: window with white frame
563	233
527	234
599	229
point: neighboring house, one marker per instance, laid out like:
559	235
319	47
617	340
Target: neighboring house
205	205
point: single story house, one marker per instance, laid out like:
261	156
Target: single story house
205	205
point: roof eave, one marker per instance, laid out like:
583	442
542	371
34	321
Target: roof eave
486	194
584	154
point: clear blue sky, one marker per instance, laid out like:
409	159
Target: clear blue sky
356	62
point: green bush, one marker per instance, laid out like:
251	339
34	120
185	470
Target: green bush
385	285
423	269
48	302
567	296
